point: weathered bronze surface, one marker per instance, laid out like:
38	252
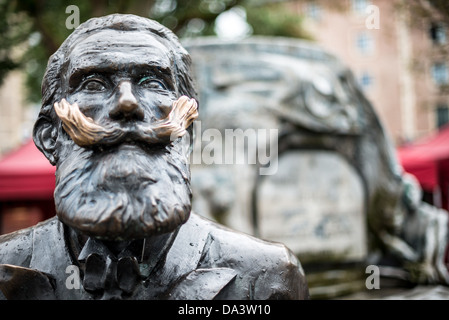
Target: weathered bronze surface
118	98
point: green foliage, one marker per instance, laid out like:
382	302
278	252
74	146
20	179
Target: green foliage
190	18
442	6
37	30
275	19
14	30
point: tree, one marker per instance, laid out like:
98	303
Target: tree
14	30
432	6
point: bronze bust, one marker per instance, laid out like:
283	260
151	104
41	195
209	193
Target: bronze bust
118	100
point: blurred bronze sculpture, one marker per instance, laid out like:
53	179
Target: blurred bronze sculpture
118	98
359	209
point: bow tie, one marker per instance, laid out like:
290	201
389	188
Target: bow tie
108	275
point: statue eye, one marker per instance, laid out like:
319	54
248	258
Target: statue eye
94	85
151	83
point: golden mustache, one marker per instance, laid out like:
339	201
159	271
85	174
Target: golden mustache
85	132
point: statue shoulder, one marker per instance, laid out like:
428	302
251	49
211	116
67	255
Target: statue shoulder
16	248
270	269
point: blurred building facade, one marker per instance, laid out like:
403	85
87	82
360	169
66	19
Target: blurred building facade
14	114
398	53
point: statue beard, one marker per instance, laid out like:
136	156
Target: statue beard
124	193
115	183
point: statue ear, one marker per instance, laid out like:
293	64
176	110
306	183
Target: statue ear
45	134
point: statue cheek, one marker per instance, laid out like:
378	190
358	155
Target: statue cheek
165	108
93	106
157	106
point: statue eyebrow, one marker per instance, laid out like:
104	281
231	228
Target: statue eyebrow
81	74
156	72
137	71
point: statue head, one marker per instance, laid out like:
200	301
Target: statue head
117	107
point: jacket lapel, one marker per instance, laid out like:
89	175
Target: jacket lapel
20	283
49	241
182	272
185	253
202	284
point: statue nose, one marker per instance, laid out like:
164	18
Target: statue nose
127	106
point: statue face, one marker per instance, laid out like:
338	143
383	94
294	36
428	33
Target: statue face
132	188
120	76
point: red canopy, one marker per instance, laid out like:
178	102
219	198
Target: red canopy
25	174
428	160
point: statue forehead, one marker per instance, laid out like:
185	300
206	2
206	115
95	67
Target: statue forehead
118	49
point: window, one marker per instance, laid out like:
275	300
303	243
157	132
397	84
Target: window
366	80
359	6
438	33
364	43
440	73
442	114
313	11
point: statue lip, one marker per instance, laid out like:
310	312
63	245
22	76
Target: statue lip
130	144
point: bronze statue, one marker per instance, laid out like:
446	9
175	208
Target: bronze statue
118	100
